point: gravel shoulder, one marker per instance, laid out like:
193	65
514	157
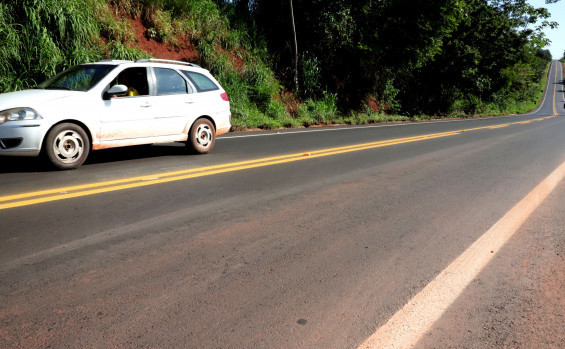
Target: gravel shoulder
519	300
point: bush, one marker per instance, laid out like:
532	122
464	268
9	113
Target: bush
321	111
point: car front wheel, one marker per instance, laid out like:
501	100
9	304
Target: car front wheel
66	146
202	136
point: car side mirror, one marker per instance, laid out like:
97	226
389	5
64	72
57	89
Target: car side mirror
116	91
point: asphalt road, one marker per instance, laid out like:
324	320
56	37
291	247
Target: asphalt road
308	238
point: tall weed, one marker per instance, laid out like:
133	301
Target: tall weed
321	111
43	38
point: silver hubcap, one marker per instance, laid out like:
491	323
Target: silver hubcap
68	146
204	136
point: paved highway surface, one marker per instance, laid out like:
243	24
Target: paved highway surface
433	234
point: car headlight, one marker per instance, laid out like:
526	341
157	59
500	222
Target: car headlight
19	114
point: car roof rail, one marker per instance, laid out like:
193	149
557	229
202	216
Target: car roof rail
157	60
111	61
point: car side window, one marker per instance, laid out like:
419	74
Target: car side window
135	79
169	82
200	81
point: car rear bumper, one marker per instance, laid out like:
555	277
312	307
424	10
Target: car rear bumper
223	122
222	130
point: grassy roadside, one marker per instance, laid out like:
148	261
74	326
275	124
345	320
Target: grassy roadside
510	108
325	112
521	107
48	36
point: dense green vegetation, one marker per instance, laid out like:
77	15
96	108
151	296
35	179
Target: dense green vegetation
357	61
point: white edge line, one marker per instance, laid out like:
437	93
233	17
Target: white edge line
562	82
330	128
546	89
405	328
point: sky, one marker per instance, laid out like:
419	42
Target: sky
557	36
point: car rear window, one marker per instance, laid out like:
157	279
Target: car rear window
200	81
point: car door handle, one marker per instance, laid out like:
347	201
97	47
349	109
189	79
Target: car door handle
146	105
189	102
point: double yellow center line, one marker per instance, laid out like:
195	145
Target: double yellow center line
43	196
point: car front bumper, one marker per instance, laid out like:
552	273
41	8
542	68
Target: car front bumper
21	139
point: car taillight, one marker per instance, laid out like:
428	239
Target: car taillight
225	96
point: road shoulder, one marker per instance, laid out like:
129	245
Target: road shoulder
518	301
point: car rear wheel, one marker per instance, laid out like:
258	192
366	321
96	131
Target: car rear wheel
202	136
66	146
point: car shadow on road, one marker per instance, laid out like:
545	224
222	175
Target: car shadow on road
136	153
9	164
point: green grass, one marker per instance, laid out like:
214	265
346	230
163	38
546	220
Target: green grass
51	35
48	36
510	106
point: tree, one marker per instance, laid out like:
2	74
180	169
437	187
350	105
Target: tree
420	56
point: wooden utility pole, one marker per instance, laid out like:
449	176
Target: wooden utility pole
295	49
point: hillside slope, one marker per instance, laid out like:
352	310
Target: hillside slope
40	38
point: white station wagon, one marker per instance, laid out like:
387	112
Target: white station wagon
113	104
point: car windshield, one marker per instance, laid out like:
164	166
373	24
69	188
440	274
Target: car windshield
78	78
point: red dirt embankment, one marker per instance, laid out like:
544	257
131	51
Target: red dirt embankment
182	48
182	51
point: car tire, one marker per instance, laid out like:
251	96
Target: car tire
202	136
66	146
